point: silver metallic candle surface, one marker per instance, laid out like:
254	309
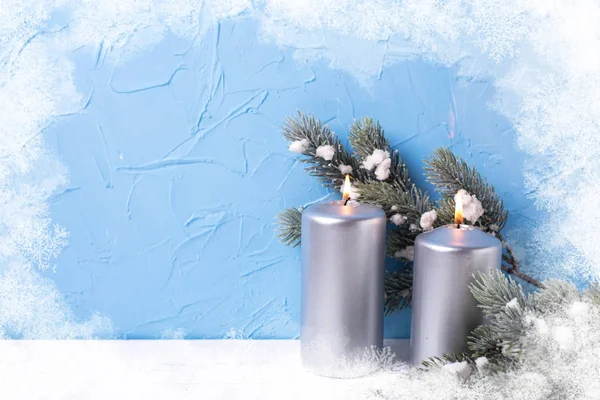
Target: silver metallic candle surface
343	261
444	311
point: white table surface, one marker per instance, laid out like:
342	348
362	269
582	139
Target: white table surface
170	369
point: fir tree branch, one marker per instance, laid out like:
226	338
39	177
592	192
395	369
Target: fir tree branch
593	293
382	194
493	291
514	267
397	290
555	295
289	226
524	277
366	136
393	199
449	173
445	212
412	204
399	171
505	304
438	362
483	342
398	239
306	126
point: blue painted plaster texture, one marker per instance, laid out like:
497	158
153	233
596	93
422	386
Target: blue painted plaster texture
177	170
173	167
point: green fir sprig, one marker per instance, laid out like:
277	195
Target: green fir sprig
289	224
449	174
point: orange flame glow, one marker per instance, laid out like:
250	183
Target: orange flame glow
347	188
458	210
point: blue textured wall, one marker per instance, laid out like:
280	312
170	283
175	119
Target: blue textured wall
177	170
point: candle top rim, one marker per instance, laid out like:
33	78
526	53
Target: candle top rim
467	237
340	211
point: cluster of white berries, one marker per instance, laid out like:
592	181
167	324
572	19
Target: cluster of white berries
407	253
472	208
427	220
345	169
299	146
326	152
398	219
380	161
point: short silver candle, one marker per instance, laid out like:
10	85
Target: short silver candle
444	311
343	262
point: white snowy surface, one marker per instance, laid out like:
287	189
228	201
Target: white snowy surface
166	369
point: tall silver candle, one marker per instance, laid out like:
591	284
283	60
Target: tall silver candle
343	262
444	311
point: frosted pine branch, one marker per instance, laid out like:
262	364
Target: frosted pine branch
449	174
505	304
398	290
366	136
512	265
447	361
556	294
494	291
411	205
484	342
289	226
305	127
393	199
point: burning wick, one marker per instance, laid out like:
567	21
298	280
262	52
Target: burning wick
458	211
347	189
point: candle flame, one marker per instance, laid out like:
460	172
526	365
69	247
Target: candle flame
347	188
458	210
